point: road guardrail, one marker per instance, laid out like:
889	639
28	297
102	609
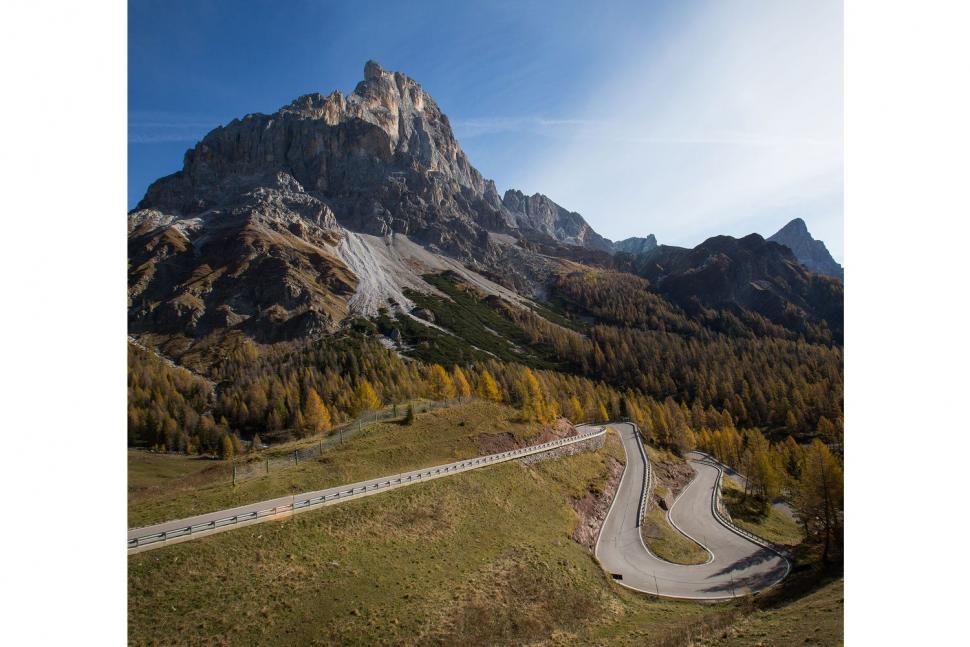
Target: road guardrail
149	537
716	509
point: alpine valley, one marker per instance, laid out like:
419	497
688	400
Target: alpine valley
333	293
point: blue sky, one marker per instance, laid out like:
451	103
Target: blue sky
684	119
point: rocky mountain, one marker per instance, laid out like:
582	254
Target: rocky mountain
255	231
748	273
383	159
810	252
539	213
336	207
263	260
636	245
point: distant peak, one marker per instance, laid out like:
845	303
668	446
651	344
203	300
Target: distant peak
797	225
810	252
373	70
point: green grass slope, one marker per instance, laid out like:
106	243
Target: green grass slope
816	619
436	437
483	557
770	523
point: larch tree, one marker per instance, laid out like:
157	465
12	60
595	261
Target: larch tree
487	388
818	497
601	413
533	400
575	411
440	384
316	416
462	387
227	448
366	397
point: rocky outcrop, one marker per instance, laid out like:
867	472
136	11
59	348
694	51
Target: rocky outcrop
636	245
810	252
750	273
539	213
247	235
383	159
262	262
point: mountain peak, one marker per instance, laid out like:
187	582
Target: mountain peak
796	226
373	70
810	252
540	213
636	245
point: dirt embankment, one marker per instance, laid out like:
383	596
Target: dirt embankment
593	508
670	478
497	443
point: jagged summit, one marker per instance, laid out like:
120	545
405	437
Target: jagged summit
265	228
810	252
540	213
373	70
258	230
636	245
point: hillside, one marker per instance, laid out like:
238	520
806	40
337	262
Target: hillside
413	566
341	256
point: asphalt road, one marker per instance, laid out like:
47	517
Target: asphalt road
178	530
739	566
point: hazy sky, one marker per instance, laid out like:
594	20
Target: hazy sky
684	119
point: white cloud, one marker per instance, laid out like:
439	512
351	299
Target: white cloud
737	124
151	127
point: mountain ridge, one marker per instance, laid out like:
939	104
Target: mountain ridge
810	252
334	207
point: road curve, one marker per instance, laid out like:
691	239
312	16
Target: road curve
739	566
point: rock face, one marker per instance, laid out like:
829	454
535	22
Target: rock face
262	261
636	245
248	233
751	273
284	225
810	252
383	159
539	213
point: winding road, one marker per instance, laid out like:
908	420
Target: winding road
738	567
